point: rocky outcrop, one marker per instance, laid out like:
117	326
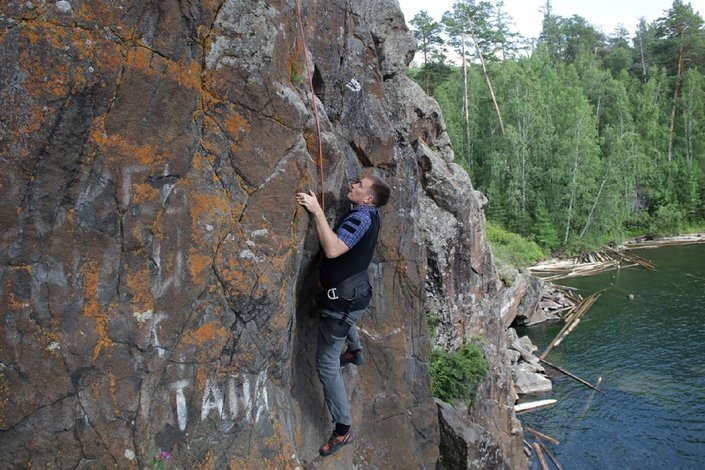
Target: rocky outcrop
156	272
528	373
465	444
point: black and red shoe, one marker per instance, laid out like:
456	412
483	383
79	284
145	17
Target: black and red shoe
335	442
352	357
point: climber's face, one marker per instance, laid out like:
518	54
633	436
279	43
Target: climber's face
360	193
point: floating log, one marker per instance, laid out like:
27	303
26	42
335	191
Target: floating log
634	259
571	320
533	405
527	448
550	455
539	455
573	376
541	435
642	243
589	263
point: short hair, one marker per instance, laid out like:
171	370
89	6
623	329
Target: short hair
379	190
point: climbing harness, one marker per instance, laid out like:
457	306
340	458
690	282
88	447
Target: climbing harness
313	98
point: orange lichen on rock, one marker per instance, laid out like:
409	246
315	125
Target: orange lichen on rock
274	451
112	384
201	377
208	208
150	64
139	282
199	265
207	463
236	125
117	148
236	282
206	335
91	308
311	141
101	13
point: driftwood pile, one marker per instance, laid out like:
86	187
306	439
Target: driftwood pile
559	301
539	448
651	242
588	264
571	321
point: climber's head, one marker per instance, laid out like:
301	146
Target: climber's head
370	190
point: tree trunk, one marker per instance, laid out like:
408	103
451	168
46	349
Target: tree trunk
643	60
594	204
688	125
523	129
489	83
574	181
676	94
466	106
425	69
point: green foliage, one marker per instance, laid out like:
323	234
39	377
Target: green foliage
512	249
604	136
668	220
457	375
432	321
159	462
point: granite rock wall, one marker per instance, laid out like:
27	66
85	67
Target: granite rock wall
156	274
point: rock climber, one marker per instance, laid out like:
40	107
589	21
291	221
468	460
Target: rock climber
346	293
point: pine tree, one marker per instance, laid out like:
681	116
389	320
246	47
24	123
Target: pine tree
428	34
681	45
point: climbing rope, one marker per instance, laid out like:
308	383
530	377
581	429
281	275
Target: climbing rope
313	98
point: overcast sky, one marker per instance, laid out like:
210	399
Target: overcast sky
604	15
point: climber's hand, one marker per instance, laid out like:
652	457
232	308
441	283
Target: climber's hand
309	201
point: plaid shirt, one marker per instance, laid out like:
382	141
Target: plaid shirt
355	224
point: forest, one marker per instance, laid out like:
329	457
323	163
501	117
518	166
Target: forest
578	138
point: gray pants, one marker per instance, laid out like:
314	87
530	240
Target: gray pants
332	335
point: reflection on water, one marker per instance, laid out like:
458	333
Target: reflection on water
650	353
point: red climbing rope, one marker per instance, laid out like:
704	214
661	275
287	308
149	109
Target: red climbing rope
313	99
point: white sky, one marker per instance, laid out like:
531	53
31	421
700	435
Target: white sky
604	15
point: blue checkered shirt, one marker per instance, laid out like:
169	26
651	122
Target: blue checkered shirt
355	224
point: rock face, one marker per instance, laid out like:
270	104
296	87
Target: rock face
155	271
463	289
465	444
529	375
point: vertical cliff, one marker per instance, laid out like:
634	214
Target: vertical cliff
155	271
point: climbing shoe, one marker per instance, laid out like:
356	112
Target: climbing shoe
335	442
352	357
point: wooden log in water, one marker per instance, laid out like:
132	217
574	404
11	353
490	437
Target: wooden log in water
533	405
527	449
572	376
550	456
571	322
541	435
539	455
586	264
632	258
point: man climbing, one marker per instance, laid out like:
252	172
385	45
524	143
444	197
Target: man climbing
346	293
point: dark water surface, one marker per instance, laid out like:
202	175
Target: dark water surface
650	353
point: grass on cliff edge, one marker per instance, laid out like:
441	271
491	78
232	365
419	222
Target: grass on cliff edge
456	375
512	249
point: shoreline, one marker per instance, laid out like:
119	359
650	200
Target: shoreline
608	258
655	242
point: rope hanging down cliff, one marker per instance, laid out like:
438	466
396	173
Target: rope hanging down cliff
313	98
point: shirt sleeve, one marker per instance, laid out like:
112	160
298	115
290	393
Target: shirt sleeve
353	228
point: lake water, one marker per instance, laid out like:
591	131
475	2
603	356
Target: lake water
650	353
